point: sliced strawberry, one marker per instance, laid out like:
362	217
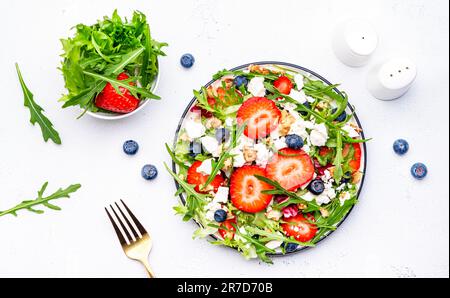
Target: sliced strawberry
199	179
229	230
261	115
300	228
246	190
284	85
324	151
291	168
355	163
112	101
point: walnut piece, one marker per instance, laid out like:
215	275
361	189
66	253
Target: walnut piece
250	154
213	122
227	165
356	127
302	206
286	122
356	177
324	212
258	69
210	92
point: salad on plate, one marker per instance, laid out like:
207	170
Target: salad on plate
268	160
111	67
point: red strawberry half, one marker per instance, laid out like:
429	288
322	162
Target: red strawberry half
262	117
355	163
291	168
199	179
246	190
228	230
284	85
300	228
112	101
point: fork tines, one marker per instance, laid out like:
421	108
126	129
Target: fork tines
123	232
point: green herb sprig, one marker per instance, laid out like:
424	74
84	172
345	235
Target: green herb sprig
42	201
36	115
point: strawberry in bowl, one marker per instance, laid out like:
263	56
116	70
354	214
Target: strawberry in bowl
268	159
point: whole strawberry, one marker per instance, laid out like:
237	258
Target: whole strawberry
112	101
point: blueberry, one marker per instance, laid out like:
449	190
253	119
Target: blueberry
240	81
187	60
290	247
220	215
341	117
294	142
195	148
222	135
401	147
149	172
316	186
130	147
308	105
419	171
347	177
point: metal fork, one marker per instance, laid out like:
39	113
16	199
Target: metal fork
137	247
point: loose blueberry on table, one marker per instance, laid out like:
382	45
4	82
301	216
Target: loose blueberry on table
401	147
187	60
130	147
149	172
419	171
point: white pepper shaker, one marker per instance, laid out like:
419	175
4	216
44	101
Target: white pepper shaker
392	79
354	42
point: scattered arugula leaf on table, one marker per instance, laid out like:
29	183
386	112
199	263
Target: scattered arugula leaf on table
36	113
42	201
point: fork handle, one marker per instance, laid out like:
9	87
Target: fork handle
148	268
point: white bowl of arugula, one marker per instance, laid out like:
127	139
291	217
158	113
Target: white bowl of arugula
111	68
269	159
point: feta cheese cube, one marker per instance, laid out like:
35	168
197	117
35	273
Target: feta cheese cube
211	145
194	129
256	87
205	168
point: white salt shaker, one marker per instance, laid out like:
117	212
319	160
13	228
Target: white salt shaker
354	42
392	79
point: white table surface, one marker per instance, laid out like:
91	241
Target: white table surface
399	229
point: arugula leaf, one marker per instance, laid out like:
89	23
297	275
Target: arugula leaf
36	115
294	198
337	213
194	200
124	84
175	159
269	236
338	172
41	200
